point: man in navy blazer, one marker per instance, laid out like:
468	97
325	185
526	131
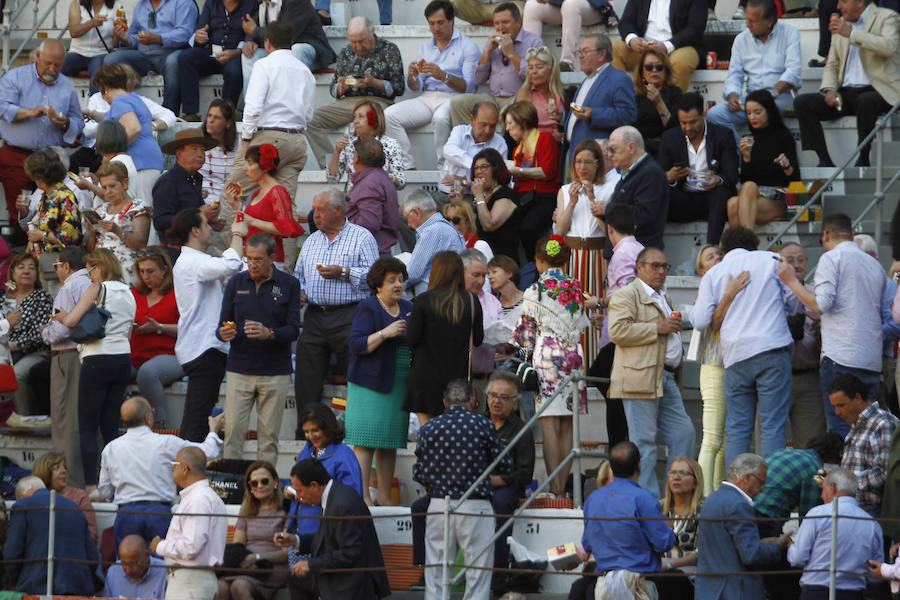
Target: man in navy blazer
339	543
642	186
27	538
700	161
730	546
604	100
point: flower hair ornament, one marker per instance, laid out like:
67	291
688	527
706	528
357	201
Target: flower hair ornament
372	118
268	154
554	245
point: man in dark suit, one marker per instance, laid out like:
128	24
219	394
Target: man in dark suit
604	100
643	186
678	34
339	543
27	539
731	546
700	161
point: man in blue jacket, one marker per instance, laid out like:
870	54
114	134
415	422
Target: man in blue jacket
730	545
27	539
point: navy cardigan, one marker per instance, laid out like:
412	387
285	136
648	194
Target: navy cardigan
373	370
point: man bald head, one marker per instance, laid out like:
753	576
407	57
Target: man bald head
135	557
189	467
136	411
49	59
361	35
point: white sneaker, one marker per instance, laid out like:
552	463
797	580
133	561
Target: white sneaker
739	14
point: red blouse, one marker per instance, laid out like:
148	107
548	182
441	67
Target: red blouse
546	156
145	346
276	208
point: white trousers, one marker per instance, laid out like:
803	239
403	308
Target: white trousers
191	584
467	533
433	107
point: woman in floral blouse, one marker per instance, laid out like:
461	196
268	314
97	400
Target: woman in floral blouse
25	308
550	326
368	121
124	224
57	223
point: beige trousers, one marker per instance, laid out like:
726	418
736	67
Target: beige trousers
269	392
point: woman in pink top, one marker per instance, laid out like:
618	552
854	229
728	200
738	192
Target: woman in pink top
543	88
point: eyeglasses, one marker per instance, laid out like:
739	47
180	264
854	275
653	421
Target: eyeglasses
583	51
175	463
680	474
254	483
91	269
585	163
146	252
542	53
58	264
657	266
481	167
258	261
654	67
504	397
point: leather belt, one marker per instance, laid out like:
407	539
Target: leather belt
591	243
58	352
146	502
18	148
670	369
332	307
281	129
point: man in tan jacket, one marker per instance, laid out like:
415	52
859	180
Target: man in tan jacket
647	334
861	77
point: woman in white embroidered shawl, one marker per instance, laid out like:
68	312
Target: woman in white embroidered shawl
550	325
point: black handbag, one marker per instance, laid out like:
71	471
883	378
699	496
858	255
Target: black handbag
92	326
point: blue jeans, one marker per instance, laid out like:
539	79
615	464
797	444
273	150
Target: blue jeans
76	63
763	380
194	62
146	526
165	64
385	9
828	372
667	416
737	121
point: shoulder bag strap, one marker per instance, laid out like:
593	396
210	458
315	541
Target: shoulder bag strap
100	35
471	329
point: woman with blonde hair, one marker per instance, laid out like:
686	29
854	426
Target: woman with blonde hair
681	508
657	94
368	121
543	88
105	362
462	217
50	467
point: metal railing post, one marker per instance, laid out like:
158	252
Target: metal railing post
576	444
445	577
51	542
879	179
832	568
6	26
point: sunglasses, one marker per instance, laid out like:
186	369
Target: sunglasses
656	67
455	220
255	483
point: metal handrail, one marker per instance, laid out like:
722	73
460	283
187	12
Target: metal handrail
880	125
10	18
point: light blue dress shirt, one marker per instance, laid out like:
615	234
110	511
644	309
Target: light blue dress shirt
859	540
23	88
756	321
763	64
890	328
849	288
354	248
175	21
435	235
153	585
459	59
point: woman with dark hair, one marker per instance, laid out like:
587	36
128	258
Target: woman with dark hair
496	216
105	363
57	223
260	518
221	125
377	377
536	172
503	275
549	328
129	110
657	94
270	208
768	165
368	121
91	30
153	362
445	324
25	307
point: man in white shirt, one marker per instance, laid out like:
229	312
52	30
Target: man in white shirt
278	106
135	470
861	77
647	333
198	292
848	295
194	539
465	142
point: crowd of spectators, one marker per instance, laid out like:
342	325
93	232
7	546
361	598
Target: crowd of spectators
543	243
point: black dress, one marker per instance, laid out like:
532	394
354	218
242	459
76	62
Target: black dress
648	121
504	239
440	351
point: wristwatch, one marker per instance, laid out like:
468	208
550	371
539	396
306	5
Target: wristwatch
446	77
159	330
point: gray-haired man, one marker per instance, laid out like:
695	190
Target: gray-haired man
434	234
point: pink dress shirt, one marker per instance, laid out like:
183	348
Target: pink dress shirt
196	540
